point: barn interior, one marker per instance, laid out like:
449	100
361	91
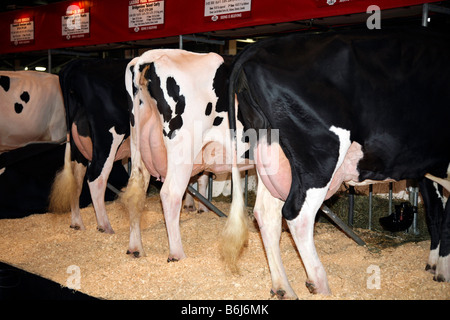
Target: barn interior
31	169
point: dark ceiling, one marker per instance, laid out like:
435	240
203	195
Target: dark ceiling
8	5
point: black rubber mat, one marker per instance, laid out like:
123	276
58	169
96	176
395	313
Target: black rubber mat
17	284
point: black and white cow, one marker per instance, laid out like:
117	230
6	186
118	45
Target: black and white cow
98	120
31	109
348	106
179	128
32	127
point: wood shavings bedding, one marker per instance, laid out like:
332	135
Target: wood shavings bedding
45	245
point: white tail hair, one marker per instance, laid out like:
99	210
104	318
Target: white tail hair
64	187
235	233
134	195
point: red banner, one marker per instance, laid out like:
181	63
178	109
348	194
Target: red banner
84	23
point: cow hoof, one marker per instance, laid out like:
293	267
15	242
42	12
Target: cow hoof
430	269
282	295
105	230
317	289
311	287
202	208
135	254
75	227
189	208
439	278
172	259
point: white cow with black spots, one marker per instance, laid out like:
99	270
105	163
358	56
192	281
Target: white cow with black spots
31	109
179	127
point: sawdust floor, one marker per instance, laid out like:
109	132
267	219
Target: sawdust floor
45	245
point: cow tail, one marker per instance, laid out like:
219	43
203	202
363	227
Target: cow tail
64	186
135	193
235	233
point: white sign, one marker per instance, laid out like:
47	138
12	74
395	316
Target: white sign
216	10
144	15
22	31
75	24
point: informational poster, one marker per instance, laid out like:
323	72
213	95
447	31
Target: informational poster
145	15
75	23
22	31
217	10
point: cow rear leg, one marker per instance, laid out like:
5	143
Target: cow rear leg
267	212
98	174
202	184
171	195
97	189
79	171
442	273
189	203
302	230
438	221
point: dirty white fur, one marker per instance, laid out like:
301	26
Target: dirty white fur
235	233
443	268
